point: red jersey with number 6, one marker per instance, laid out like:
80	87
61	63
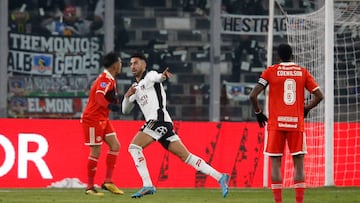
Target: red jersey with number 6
287	83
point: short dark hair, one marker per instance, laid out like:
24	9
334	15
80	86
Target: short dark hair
139	55
110	58
284	52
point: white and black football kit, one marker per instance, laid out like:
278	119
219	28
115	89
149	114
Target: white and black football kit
151	98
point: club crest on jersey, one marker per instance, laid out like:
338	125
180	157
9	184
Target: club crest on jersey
103	84
142	87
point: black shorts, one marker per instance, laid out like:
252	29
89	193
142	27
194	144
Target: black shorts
161	131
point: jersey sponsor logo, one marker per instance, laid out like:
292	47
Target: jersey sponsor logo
287	119
287	125
103	84
144	100
291	67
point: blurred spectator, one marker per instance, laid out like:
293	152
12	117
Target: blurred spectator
245	7
224	9
121	34
247	55
69	24
26	16
125	5
46	11
97	16
199	7
51	7
240	55
19	20
154	59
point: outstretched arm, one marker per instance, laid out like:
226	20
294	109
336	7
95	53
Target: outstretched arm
154	76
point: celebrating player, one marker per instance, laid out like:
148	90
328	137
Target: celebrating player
287	83
97	127
149	94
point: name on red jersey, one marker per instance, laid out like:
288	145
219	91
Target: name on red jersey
288	73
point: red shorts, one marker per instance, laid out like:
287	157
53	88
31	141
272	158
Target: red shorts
276	140
94	132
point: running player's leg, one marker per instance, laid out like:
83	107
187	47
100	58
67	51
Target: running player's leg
179	149
140	141
164	133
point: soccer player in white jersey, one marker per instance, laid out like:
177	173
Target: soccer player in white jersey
148	92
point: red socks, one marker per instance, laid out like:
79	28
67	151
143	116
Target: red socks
299	191
277	191
91	170
299	187
110	165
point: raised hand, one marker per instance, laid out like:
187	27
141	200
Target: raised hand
166	74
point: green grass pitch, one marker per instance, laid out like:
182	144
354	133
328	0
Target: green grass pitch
312	195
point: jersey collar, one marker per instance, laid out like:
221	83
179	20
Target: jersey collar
108	74
287	63
142	76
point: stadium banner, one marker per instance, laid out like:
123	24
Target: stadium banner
46	107
48	152
43	86
48	97
251	24
54	55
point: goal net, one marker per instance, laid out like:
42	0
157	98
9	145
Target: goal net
347	93
306	34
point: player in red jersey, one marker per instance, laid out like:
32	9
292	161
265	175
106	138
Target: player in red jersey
103	98
287	83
